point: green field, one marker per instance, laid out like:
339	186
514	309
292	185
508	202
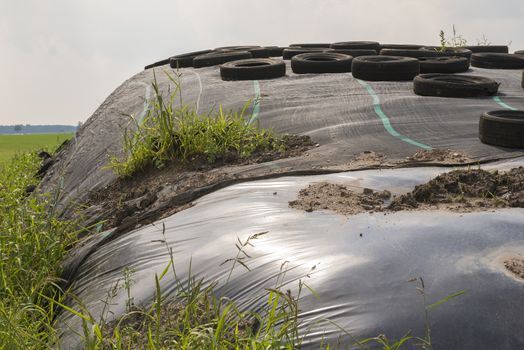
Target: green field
11	144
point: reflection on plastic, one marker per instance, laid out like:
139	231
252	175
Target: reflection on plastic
359	266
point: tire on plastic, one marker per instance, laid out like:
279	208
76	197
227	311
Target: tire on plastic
443	64
450	51
450	85
186	59
253	69
356	52
256	51
312	45
321	62
497	61
361	45
275	51
487	48
157	64
385	68
217	58
502	128
289	52
400	46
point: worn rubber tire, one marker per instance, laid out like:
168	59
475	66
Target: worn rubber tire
487	48
408	53
400	46
321	62
253	69
450	85
186	59
385	68
502	128
256	51
361	45
356	52
452	51
275	51
157	64
312	45
497	61
217	58
289	52
443	64
519	52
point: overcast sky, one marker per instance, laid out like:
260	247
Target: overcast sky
59	59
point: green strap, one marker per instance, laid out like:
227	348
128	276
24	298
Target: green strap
499	101
256	104
385	120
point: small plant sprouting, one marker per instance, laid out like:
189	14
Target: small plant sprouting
483	41
457	40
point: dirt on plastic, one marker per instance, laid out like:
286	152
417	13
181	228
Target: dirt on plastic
124	198
515	266
458	190
440	155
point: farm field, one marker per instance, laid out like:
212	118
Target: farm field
11	144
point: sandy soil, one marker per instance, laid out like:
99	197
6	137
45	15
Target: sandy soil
515	266
459	190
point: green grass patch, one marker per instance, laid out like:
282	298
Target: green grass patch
12	144
170	133
32	245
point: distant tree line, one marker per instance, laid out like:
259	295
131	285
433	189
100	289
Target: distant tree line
37	129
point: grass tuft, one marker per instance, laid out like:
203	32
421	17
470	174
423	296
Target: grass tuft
170	133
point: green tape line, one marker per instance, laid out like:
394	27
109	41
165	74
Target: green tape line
385	120
256	105
499	101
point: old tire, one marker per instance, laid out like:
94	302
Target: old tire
400	46
449	85
385	68
289	52
356	52
415	53
502	128
451	51
361	45
321	62
312	45
497	61
253	69
157	64
256	51
487	48
186	59
216	58
519	52
443	64
275	51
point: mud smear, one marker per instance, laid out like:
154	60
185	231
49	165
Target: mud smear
440	155
515	266
459	190
338	198
153	190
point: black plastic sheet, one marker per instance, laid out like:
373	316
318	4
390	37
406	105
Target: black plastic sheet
344	115
362	263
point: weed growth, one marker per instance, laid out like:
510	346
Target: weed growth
32	246
179	133
195	318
